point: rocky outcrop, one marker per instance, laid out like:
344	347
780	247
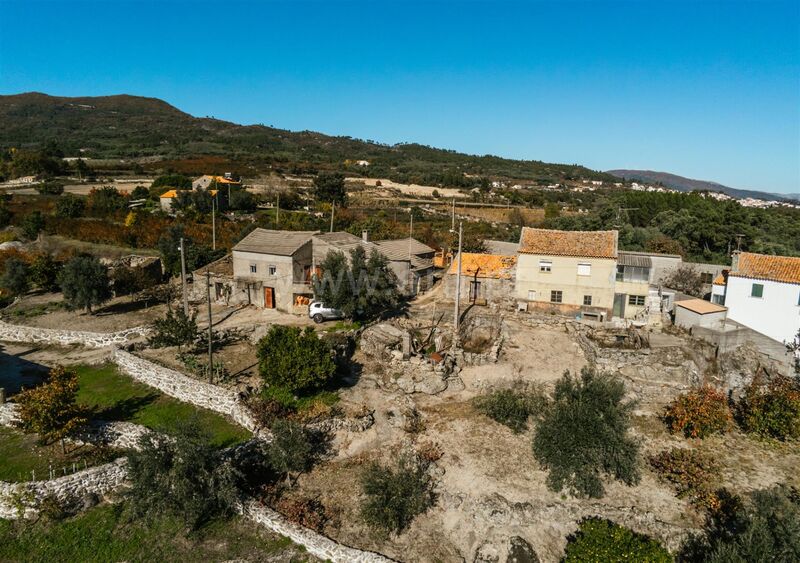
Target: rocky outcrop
34	335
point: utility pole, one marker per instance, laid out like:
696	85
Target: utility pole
411	228
213	224
458	287
278	211
183	280
453	217
210	349
333	210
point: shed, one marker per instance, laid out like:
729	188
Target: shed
698	312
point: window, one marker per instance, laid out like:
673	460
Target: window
584	269
545	266
707	277
636	300
587	299
253	268
633	274
556	296
272	270
757	290
531	295
718	299
620	273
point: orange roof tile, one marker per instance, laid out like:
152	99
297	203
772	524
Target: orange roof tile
485	265
784	269
719	280
589	244
170	194
700	306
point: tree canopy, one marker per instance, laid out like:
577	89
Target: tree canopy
84	282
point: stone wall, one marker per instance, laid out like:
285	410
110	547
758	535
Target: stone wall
316	544
9	414
35	335
115	435
70	490
183	388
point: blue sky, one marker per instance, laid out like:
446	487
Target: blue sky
709	90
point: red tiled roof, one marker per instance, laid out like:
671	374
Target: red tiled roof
784	269
589	244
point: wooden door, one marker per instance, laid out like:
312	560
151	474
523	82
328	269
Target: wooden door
269	298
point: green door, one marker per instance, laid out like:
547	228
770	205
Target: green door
619	305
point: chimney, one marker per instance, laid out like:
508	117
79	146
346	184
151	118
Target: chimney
365	236
735	261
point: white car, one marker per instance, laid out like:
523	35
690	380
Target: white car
319	312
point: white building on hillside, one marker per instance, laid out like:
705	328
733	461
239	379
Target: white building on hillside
763	293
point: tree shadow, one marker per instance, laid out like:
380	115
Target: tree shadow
122	308
126	408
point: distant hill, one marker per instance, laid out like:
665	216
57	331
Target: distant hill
126	126
687	184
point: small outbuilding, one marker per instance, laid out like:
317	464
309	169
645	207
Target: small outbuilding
698	312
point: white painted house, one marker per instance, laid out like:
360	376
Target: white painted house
763	293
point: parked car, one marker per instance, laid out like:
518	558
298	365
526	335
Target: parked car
319	312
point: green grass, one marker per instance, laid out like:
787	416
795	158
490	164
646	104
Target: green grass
116	397
300	403
20	453
36	310
104	533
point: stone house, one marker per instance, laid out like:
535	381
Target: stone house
569	272
485	278
203	182
411	261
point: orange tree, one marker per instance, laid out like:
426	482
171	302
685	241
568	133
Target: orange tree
50	409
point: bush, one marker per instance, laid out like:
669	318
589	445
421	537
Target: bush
512	407
70	205
183	475
395	495
16	277
295	359
175	329
699	413
32	224
771	409
50	188
584	434
601	541
764	528
44	272
84	283
105	201
694	474
266	410
305	512
290	451
51	409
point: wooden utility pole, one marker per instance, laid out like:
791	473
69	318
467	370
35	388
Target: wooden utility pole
210	349
183	280
213	224
278	211
333	210
458	287
453	217
411	228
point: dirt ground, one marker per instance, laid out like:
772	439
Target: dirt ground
490	488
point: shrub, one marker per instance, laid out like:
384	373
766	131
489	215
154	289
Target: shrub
305	512
183	475
771	409
512	407
84	283
105	201
32	224
692	473
175	329
765	527
584	434
70	205
50	188
266	410
290	451
601	541
699	413
295	359
44	272
395	495
16	277
51	409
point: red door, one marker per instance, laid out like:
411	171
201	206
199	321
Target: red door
269	298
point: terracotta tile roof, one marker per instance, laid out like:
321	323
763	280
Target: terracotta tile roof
486	265
169	195
784	269
589	244
700	306
720	279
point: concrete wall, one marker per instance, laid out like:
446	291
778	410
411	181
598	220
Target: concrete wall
662	267
685	318
564	276
632	288
281	282
776	313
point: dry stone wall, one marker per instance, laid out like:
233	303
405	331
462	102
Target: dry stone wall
35	335
69	490
9	414
184	388
316	544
